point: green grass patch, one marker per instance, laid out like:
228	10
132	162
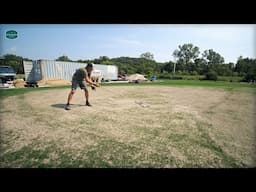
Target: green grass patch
228	78
21	91
197	83
198	77
210	144
204	83
26	157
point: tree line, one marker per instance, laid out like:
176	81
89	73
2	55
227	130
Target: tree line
188	60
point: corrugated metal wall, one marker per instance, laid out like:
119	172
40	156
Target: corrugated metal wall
59	69
28	65
32	71
46	69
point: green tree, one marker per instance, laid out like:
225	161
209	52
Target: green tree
104	58
246	67
213	57
214	61
63	58
149	66
168	67
147	55
186	54
15	61
201	66
243	65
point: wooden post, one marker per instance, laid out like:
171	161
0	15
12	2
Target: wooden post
41	63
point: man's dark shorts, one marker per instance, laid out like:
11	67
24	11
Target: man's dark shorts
75	83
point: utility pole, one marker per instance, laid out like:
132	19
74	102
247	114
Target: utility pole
174	69
174	66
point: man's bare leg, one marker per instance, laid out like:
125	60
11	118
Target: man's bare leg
86	94
70	95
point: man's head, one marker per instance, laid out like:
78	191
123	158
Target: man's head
89	67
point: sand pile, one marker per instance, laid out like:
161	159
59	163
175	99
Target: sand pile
136	77
53	81
19	83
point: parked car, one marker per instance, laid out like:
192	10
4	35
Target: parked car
7	74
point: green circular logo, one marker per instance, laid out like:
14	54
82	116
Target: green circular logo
11	34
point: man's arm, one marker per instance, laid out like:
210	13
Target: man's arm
88	80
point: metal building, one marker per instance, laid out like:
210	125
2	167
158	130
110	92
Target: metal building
46	69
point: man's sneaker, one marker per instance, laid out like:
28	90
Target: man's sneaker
88	104
67	107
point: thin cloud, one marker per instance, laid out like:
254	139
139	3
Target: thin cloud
121	43
12	49
222	33
125	42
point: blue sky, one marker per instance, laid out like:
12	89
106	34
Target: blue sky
91	41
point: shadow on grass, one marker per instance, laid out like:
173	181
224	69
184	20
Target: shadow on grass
62	105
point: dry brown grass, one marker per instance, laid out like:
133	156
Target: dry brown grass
130	127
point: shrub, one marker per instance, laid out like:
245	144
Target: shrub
193	73
176	78
211	75
249	77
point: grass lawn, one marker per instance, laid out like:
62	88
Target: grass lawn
174	123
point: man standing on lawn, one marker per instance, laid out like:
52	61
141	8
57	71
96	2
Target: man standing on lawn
80	77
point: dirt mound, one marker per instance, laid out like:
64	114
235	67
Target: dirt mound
19	83
53	81
136	77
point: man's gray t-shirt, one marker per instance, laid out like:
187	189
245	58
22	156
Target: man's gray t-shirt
80	74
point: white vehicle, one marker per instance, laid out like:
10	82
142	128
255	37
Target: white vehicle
96	76
7	75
